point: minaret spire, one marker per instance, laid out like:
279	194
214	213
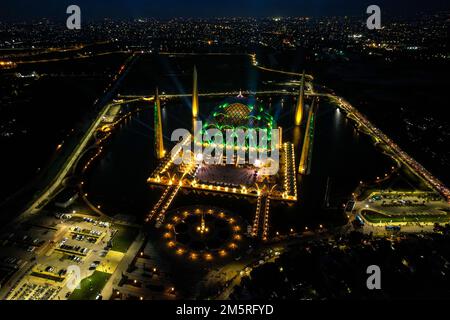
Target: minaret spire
300	103
159	140
304	167
195	95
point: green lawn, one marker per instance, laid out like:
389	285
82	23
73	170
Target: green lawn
404	181
90	286
124	238
376	217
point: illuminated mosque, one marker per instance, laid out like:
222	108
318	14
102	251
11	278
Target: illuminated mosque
236	179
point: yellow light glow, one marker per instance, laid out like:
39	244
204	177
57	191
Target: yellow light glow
208	256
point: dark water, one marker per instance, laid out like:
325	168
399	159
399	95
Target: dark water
44	113
341	158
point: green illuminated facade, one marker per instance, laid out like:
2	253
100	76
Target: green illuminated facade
240	115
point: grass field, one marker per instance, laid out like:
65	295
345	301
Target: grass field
375	217
90	286
403	181
123	238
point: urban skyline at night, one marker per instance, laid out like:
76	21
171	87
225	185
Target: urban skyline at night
119	9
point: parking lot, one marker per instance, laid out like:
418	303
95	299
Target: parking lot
40	253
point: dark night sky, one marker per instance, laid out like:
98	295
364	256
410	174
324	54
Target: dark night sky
95	9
